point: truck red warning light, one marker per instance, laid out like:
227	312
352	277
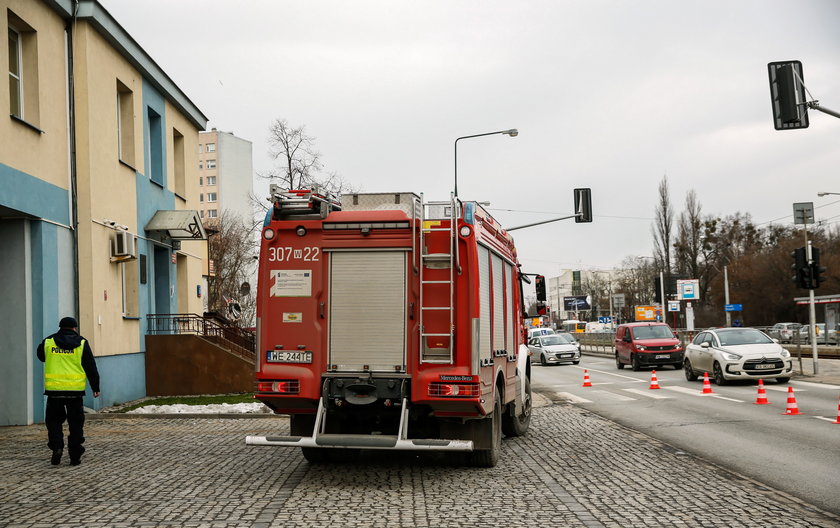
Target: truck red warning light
388	322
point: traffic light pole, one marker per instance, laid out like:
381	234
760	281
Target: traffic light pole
812	313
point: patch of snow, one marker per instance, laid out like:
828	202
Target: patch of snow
216	408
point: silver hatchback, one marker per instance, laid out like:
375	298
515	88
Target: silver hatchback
554	348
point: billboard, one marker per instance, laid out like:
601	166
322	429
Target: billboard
574	303
648	313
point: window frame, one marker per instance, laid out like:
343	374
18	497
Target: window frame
18	76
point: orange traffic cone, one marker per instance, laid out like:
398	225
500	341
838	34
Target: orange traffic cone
653	383
586	382
837	421
762	395
792	408
707	385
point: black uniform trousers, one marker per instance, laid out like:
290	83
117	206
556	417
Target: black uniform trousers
72	410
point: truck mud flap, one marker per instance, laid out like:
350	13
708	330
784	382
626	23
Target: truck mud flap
353	441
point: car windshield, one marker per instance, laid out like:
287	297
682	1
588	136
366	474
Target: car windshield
558	339
652	332
744	336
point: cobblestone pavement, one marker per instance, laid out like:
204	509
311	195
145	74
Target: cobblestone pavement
573	469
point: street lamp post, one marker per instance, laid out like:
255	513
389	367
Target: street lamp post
826	193
512	133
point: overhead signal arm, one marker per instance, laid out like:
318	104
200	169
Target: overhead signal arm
583	206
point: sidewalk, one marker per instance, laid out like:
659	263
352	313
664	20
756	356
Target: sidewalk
829	370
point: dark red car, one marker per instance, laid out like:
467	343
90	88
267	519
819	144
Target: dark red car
647	344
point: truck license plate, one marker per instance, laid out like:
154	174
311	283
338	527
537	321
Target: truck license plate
663	356
289	356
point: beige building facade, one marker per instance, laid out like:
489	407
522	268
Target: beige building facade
98	196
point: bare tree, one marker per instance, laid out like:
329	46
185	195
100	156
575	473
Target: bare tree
662	224
232	247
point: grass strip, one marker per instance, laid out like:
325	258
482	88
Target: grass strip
193	400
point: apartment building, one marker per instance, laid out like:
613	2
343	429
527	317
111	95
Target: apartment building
225	174
98	197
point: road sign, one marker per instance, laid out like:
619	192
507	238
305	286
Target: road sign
673	306
803	213
688	290
618	300
733	307
648	313
605	319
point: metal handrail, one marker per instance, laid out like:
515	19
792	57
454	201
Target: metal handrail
243	340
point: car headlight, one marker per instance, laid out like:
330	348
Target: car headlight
641	347
785	353
730	356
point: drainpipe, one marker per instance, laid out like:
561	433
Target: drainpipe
71	115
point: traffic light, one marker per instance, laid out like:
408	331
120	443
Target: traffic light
816	269
539	285
787	95
801	270
583	205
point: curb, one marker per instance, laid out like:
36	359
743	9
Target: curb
224	416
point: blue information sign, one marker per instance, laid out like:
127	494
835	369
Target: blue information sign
733	307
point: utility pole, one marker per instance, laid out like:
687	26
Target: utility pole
726	294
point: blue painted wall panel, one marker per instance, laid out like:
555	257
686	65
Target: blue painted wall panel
33	196
121	378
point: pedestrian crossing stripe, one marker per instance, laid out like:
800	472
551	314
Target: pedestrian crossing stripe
647	394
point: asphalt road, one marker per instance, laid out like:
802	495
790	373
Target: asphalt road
798	454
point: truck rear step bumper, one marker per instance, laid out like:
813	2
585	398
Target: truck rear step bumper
354	441
361	442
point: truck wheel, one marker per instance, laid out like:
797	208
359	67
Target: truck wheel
513	425
315	455
489	457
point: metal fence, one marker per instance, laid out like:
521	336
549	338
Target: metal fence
243	341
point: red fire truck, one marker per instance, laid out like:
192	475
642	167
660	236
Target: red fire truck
389	322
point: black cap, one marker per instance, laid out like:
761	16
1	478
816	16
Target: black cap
68	322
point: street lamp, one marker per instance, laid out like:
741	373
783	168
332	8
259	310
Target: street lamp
512	133
826	193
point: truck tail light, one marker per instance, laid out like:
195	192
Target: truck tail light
282	386
454	390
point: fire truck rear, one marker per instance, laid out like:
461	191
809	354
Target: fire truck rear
388	322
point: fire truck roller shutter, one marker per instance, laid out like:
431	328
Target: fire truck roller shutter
509	341
484	347
367	309
498	305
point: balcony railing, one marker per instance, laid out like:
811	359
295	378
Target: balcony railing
239	340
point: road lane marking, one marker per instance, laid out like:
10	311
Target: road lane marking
784	389
611	374
612	396
647	394
824	418
571	397
694	392
816	385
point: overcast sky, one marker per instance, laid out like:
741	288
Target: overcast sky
611	95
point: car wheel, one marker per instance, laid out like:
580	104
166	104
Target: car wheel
689	372
677	366
637	365
618	362
718	373
782	380
543	362
575	362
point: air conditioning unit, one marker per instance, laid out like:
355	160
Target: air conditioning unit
123	246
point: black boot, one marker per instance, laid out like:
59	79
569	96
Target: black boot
75	461
55	459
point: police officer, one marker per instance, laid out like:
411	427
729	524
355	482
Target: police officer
68	366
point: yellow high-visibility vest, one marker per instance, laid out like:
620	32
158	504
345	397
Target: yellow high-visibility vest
63	368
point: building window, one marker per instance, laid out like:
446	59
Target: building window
211	147
178	165
202	213
211	180
15	78
156	167
211	197
200	180
125	123
212	213
211	164
200	165
200	147
23	70
201	197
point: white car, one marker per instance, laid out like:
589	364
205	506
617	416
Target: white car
534	332
554	348
737	354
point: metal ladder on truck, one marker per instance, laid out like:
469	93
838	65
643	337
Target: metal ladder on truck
437	280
